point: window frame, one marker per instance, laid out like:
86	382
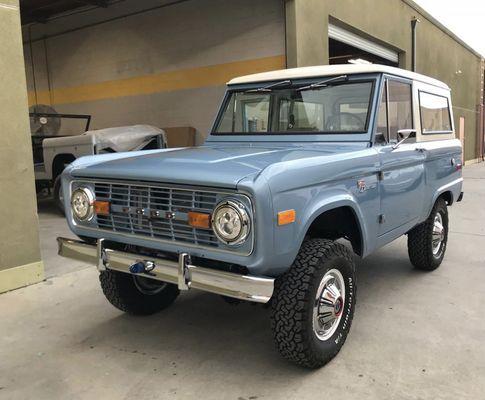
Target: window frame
272	105
385	87
450	117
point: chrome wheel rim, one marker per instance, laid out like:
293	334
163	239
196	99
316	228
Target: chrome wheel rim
438	235
148	286
329	304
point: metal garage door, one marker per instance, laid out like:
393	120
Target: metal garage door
350	38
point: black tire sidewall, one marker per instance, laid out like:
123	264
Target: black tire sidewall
322	348
121	291
420	240
441	208
295	296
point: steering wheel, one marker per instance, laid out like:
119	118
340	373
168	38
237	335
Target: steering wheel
335	121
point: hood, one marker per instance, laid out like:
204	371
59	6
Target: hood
221	165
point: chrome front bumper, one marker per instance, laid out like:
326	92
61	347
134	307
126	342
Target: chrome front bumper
183	274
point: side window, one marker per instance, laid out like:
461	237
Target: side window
399	108
382	133
435	113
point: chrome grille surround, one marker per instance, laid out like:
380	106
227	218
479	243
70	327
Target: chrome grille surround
159	212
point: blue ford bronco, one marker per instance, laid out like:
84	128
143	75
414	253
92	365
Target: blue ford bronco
303	170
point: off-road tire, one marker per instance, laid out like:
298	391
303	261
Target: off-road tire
420	246
294	298
56	192
121	291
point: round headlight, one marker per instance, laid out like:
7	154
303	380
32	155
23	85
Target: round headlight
82	201
230	222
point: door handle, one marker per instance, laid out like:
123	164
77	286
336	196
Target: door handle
421	149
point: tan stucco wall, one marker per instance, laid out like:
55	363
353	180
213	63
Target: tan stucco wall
438	54
20	260
133	70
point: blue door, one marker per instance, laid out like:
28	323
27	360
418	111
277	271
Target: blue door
402	169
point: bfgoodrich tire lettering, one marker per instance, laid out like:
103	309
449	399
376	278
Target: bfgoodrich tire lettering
294	299
421	245
122	292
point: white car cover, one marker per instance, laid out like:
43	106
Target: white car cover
125	138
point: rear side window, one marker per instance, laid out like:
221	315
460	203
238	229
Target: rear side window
435	113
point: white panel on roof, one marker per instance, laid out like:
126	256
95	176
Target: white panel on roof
347	37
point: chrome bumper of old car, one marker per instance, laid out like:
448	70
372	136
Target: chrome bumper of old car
181	273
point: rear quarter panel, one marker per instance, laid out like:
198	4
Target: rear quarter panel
443	152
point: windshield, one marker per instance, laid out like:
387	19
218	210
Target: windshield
330	109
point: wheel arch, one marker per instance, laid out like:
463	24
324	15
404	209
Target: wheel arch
450	192
446	196
340	218
59	162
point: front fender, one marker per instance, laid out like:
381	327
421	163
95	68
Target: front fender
309	203
337	200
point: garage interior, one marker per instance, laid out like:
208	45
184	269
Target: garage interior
165	63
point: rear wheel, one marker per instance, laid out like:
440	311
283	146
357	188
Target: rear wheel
427	241
135	294
313	304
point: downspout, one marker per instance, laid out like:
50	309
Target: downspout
414	23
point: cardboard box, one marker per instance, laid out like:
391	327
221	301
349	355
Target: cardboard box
183	136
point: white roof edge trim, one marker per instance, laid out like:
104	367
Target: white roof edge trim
329	70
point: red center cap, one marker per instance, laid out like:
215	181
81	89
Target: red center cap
338	307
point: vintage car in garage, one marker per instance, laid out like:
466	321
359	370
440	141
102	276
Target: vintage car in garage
54	149
304	169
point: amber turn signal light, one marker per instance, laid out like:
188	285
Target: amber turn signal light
286	217
199	220
101	207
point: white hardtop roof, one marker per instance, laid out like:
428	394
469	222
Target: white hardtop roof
330	70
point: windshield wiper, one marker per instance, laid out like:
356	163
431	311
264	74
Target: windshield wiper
323	83
269	87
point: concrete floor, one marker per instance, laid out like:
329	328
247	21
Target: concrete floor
415	335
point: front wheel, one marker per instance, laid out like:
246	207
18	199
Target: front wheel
427	241
313	304
135	294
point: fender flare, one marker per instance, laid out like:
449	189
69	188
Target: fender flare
332	202
449	187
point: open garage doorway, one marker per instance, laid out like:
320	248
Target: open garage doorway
345	46
341	53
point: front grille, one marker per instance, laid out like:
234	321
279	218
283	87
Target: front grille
157	212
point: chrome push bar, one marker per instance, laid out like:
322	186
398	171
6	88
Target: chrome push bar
181	273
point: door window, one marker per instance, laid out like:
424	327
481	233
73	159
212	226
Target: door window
399	108
382	134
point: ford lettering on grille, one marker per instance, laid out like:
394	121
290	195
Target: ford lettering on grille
157	212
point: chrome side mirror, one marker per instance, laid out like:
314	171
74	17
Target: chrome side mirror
404	134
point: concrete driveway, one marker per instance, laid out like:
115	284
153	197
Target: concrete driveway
415	335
